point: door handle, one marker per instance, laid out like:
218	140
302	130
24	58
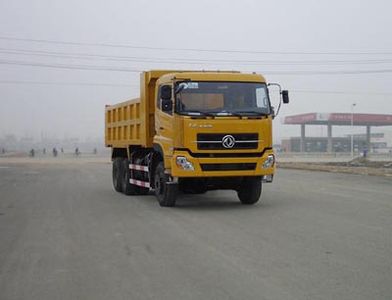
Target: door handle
161	128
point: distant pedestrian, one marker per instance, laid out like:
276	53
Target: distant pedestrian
44	151
32	153
365	152
54	152
62	150
77	152
95	151
2	151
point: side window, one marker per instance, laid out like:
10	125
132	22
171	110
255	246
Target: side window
159	97
262	98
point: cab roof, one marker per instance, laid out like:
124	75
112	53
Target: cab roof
210	76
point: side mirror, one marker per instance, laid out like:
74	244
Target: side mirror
165	92
167	105
285	96
273	112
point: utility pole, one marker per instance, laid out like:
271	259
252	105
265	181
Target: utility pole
352	130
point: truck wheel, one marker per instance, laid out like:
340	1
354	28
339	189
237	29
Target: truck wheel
127	187
165	193
117	174
250	190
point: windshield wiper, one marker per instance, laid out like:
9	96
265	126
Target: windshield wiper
239	113
198	113
225	113
252	112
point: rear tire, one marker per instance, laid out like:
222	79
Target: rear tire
250	190
117	174
128	188
165	193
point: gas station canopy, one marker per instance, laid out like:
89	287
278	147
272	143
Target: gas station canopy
343	119
338	119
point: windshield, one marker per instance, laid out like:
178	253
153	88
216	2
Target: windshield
222	98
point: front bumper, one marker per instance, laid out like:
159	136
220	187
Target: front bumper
221	166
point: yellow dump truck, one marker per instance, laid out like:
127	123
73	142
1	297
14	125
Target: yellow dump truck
193	131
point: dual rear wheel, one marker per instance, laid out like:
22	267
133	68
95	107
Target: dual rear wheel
121	175
165	191
117	174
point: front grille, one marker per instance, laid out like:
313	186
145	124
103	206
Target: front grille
229	167
213	141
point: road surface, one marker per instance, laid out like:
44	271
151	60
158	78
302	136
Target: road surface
65	234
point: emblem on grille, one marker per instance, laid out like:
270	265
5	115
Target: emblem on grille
228	141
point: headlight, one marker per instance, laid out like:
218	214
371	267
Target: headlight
184	164
269	161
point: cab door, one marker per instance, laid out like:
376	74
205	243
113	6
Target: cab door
164	118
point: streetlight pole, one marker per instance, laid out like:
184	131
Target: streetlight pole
352	130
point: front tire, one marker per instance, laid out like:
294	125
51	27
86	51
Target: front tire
165	193
250	190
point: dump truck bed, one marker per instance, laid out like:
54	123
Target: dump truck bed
123	124
132	122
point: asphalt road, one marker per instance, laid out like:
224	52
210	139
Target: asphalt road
65	234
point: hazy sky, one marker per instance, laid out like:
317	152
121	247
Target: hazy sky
270	37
